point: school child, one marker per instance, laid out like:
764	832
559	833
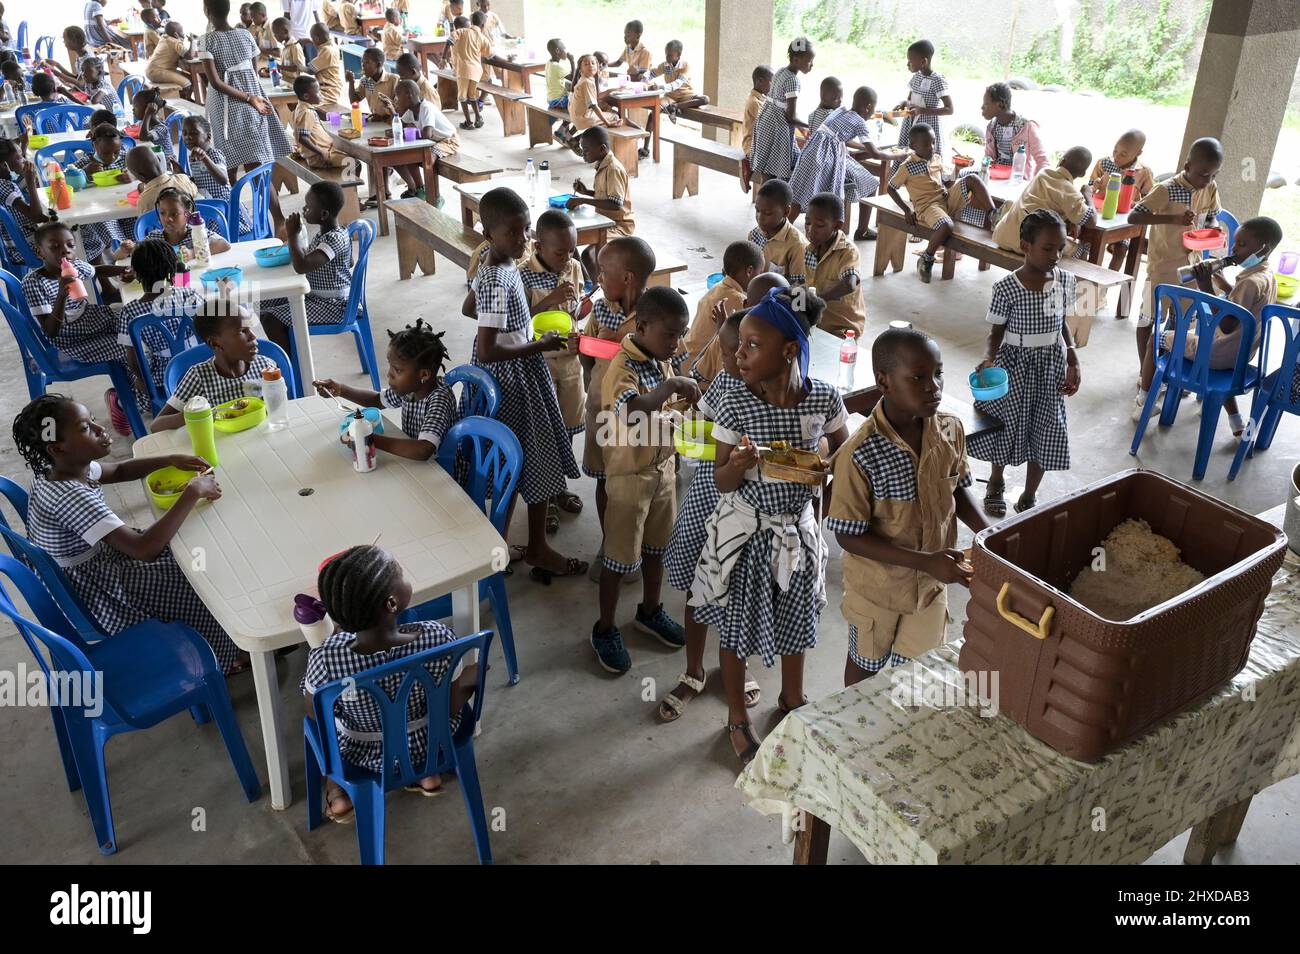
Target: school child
1123	159
552	278
1030	339
164	66
1007	131
831	92
364	590
20	195
1190	200
174	209
416	356
426	116
154	263
1055	189
94	82
610	192
349	18
740	263
640	480
147	168
45	90
329	12
451	12
152	29
74	41
504	346
492	24
635	55
235	369
208	170
677	81
261	30
559	80
122	575
465	48
97	238
762	79
927	98
326	261
378	86
1254	288
314	143
246	17
773	153
833	267
15	83
293	60
148	108
759	604
586	102
327	66
921	174
477	21
782	244
408	67
391	37
901	484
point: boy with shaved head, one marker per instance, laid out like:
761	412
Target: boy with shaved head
1123	159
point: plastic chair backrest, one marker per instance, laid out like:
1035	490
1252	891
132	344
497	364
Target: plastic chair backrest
63	118
31	339
259	182
127	89
21	39
54	631
56	582
47	42
15	232
1287	318
188	358
174	131
480	392
1207	311
62	152
364	233
212	210
411	671
495	459
177	343
13	291
16	494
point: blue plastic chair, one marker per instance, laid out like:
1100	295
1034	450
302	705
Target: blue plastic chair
14	230
127	89
61	117
480	393
259	183
44	48
1226	221
356	320
188	358
178	141
44	364
12	290
447	751
146	673
1273	396
20	43
495	459
64	153
178	342
1180	374
212	210
52	575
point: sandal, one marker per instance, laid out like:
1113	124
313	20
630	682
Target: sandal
1026	503
786	710
478	124
865	235
552	518
517	552
339	818
751	749
572	567
419	789
676	705
753	693
466	125
994	504
568	502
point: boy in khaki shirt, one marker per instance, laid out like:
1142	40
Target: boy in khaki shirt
328	66
781	243
634	55
408	67
640	473
465	47
1123	159
677	81
831	266
349	18
378	87
1056	189
314	143
293	61
740	263
901	484
146	167
164	66
262	33
921	174
762	77
391	37
329	13
610	193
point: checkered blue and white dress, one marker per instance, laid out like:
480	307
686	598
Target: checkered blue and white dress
327	302
102	95
171	307
211	187
204	378
11	192
687	538
817	117
1033	410
824	164
772	150
761	619
356	715
69	520
88	331
187	240
98	237
427	418
929	90
1001	136
160	134
529	406
238	131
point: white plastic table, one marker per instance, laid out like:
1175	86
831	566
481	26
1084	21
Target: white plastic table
290	498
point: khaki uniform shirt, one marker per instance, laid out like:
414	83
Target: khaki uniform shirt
292	58
168	180
151	38
634	444
922	180
1143	179
167	54
330	15
349	19
1165	249
701	343
386	85
782	252
612	183
753	106
676	77
637	58
467	53
329	74
1055	189
393	40
841	260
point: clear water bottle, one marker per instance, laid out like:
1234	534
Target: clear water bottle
544	178
273	69
1018	164
530	177
848	361
199	239
276	395
117	108
397	130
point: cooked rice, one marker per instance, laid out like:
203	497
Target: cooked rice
1142	570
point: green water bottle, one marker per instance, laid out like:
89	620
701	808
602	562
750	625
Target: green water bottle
1111	205
198	421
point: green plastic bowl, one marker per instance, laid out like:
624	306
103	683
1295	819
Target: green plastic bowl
694	438
166	484
557	321
1286	285
252	414
106	177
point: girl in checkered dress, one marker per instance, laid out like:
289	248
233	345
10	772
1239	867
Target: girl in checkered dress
147	108
416	356
98	237
174	209
20	197
365	590
208	166
504	346
1031	341
93	80
122	575
327	263
824	163
154	263
761	577
927	96
772	151
832	98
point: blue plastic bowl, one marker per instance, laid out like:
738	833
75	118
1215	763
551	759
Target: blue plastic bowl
231	273
273	256
559	201
989	384
714	279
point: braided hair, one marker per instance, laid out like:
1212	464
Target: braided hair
354	585
32	431
1038	220
171	192
421	345
154	263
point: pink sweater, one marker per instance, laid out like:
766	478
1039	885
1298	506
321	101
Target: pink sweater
1027	133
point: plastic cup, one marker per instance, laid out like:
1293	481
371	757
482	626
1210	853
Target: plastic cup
334	119
409	133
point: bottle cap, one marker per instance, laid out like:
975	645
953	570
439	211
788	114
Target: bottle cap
271	374
197	405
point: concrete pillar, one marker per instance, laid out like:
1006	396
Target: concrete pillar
737	37
512	17
1247	66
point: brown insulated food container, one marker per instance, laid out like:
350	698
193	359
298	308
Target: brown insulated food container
1086	685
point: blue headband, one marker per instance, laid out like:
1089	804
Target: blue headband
776	311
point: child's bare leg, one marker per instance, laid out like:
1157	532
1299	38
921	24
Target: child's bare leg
1144	340
977	193
942	232
1148	369
994	505
652	578
539	552
611	581
792	696
602	500
590	269
278	332
864	232
1033	477
743	741
853	673
697	635
337	802
464	105
478	113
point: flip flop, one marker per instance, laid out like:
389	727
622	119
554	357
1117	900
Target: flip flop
865	235
517	552
478	124
340	818
466	125
753	694
573	567
552	518
419	789
1026	503
994	503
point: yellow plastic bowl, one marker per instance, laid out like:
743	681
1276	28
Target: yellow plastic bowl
106	177
230	419
37	141
557	321
1287	285
166	484
694	439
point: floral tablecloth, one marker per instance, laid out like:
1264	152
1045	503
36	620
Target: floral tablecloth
947	785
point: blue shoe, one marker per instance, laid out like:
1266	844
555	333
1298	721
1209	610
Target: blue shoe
661	626
610	650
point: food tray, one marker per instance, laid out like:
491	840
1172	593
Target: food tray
379	142
808	469
601	348
559	201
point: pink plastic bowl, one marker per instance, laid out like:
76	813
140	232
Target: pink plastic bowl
601	348
1201	239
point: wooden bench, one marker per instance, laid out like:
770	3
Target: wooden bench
460	168
733	121
691	153
665	268
289	170
624	140
423	230
506	101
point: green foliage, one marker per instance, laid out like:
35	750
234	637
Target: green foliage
854	22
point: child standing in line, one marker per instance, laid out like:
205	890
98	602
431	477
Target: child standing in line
1055	189
704	347
123	576
1030	339
465	47
1007	131
762	79
20	195
1123	159
781	243
927	98
416	356
761	579
504	346
832	98
635	55
97	238
154	263
641	484
832	266
773	153
610	193
901	485
677	81
921	174
559	80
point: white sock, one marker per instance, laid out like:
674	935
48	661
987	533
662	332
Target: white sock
1141	395
1236	423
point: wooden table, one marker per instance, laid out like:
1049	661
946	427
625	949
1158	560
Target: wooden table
650	100
284	100
135	36
518	73
591	225
382	158
289	499
426	48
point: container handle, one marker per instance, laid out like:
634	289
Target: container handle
1039	630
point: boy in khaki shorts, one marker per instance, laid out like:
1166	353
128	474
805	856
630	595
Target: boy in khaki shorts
466	49
640	474
921	174
740	263
901	483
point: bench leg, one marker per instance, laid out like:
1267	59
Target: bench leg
812	841
1217	831
891	247
949	262
512	116
412	252
447	98
625	148
539	127
686	177
351	210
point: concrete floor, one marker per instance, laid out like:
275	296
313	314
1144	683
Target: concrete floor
572	760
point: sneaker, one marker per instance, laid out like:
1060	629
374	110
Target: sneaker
661	626
421	194
643	152
116	414
924	265
610	650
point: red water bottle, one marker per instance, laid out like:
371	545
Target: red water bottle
1126	191
76	291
